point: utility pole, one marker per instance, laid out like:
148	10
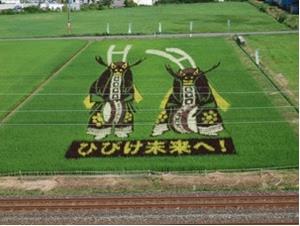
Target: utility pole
228	25
191	28
107	29
159	28
69	26
129	28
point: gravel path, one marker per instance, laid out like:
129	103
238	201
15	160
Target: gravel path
226	215
153	216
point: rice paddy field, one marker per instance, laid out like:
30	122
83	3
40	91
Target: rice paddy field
37	135
206	17
25	64
43	85
280	54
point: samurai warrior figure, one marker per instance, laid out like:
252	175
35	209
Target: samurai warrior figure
112	96
190	106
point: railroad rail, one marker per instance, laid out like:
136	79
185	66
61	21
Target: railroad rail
168	202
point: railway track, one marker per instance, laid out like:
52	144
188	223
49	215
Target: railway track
167	202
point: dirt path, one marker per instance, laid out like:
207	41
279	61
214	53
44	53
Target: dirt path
277	180
151	36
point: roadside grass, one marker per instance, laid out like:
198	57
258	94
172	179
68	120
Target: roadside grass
279	53
42	147
25	64
207	17
145	183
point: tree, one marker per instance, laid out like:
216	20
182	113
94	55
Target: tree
129	3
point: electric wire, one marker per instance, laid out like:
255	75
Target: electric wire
144	110
151	124
151	94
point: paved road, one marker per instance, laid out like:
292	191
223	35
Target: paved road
151	36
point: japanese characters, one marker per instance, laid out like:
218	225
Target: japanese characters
175	147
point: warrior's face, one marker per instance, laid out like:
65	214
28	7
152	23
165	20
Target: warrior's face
118	68
188	75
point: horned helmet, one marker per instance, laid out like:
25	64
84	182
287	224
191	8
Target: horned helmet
187	75
118	67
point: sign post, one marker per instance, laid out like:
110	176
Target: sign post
69	26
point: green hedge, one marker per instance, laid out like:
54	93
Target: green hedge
130	3
93	6
29	9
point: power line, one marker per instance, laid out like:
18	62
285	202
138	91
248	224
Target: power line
152	93
141	110
148	124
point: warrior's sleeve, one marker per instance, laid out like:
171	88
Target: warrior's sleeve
94	94
128	94
175	99
203	91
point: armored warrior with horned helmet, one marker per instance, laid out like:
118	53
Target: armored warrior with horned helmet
190	106
111	97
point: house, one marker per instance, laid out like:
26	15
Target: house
54	6
145	2
16	2
74	4
9	4
118	4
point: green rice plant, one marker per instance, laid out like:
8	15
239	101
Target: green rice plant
206	17
24	65
35	140
279	54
